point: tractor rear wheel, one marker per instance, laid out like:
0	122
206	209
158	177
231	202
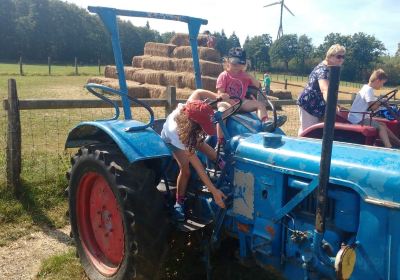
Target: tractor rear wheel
117	215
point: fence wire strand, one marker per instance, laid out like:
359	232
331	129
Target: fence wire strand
44	132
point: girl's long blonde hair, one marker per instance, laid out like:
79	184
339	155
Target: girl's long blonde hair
190	133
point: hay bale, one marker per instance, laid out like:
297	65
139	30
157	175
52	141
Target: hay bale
158	49
182	39
110	72
205	53
281	94
154	77
208	68
174	79
208	83
159	63
183	93
134	89
137	61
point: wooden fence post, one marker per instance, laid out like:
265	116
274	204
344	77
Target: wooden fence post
49	63
171	100
285	83
21	72
98	63
13	139
76	66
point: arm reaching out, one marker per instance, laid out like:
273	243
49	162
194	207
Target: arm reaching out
200	94
197	165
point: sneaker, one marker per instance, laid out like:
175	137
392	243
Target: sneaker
179	212
268	126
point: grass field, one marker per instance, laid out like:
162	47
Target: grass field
42	203
8	69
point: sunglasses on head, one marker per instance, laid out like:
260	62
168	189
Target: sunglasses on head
339	56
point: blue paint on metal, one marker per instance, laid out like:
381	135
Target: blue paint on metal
136	146
109	18
372	172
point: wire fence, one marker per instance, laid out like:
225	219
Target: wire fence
44	132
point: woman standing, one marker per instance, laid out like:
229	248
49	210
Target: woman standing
312	100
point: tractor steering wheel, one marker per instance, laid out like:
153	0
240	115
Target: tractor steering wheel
384	101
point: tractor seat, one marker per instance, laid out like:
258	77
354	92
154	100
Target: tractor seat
345	132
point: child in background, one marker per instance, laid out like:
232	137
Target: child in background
184	132
365	98
234	81
267	83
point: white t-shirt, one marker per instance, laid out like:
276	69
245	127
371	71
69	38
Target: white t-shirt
169	132
360	104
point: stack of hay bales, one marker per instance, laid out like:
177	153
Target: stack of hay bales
165	65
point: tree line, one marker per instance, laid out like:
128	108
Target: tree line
38	29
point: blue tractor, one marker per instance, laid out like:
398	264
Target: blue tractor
313	209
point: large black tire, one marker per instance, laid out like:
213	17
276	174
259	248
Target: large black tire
117	216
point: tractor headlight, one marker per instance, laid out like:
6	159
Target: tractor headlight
345	261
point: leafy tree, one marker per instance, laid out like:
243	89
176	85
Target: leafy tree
233	41
284	49
7	29
166	37
398	50
222	44
305	52
257	49
363	54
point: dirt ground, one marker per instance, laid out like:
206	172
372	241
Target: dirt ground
21	259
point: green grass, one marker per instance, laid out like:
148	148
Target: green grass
8	69
62	267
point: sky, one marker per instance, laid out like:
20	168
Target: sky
314	18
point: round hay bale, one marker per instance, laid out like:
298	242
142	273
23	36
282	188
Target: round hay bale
281	94
159	63
158	49
137	61
208	68
182	39
207	54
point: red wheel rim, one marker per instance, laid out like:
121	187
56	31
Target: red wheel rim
100	223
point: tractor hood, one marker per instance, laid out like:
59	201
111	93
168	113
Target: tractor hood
373	172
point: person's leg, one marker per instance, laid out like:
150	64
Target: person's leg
222	106
254	105
184	172
306	120
383	134
208	151
393	138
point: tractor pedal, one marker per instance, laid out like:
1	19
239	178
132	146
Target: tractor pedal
192	224
162	188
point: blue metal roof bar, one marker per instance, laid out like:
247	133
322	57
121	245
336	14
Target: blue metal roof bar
109	18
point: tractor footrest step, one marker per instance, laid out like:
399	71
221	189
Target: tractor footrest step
162	188
192	224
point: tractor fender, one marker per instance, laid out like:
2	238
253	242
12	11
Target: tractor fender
135	145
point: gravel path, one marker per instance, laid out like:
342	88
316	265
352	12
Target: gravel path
21	259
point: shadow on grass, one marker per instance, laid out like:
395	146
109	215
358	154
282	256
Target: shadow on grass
35	200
